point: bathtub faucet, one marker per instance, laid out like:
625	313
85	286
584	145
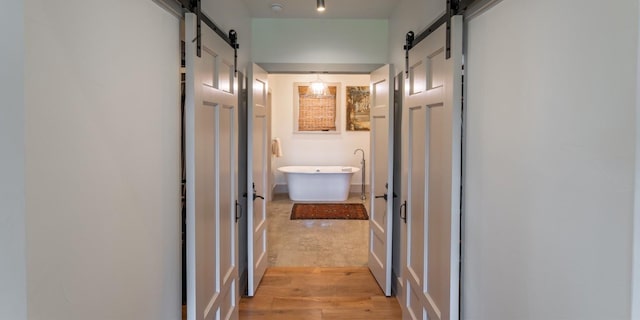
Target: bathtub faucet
356	151
363	194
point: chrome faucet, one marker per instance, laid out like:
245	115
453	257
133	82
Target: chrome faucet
356	151
363	194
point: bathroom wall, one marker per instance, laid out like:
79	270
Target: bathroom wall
315	148
549	170
13	285
335	45
320	41
102	131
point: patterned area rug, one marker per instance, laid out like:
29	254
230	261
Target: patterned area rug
346	211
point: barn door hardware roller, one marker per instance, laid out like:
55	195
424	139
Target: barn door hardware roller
408	44
454	7
233	37
195	6
198	30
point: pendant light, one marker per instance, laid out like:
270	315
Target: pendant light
317	88
320	5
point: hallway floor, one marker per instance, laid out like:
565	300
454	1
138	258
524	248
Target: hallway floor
318	270
315	243
310	293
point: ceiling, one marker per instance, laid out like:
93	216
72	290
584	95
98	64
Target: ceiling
336	9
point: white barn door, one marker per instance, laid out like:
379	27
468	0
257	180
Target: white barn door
432	128
381	177
258	153
211	128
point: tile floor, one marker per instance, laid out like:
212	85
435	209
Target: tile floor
315	243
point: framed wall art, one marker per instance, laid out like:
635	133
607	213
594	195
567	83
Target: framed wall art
316	112
358	109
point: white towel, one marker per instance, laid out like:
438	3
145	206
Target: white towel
276	147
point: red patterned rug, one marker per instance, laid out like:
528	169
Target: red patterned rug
345	211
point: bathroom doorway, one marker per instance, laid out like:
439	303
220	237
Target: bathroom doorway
321	129
321	243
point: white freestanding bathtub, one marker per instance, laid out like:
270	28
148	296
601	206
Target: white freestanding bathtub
318	183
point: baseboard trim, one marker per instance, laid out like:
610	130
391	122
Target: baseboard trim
398	289
244	283
280	188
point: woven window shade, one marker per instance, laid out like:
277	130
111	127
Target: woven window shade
317	113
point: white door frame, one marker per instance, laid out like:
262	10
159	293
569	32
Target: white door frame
257	254
635	271
399	208
433	99
381	213
211	119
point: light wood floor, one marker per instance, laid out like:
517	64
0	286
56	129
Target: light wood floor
312	293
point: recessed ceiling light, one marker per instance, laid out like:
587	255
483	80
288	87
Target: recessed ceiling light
276	7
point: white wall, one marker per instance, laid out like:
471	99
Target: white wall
315	148
550	129
13	286
102	160
334	41
410	15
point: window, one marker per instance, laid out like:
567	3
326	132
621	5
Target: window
316	113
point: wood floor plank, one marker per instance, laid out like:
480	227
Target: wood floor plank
321	302
313	314
319	293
